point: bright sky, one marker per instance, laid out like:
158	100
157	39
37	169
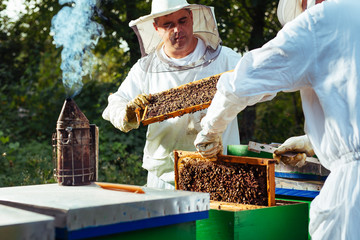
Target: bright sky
14	8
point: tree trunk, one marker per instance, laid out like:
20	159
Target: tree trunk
247	117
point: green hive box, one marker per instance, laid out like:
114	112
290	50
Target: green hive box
287	220
178	231
242	150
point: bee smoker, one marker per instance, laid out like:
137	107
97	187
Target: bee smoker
75	147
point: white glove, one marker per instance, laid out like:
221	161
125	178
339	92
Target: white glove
140	101
300	145
130	119
208	145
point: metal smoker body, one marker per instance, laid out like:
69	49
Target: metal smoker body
75	146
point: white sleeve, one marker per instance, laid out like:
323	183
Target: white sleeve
132	86
283	64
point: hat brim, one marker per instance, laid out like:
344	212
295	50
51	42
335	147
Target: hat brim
160	14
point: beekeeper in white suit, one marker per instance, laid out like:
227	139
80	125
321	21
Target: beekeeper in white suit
180	43
317	53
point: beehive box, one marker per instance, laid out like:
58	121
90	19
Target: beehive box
279	219
175	102
233	179
305	181
287	190
310	171
286	220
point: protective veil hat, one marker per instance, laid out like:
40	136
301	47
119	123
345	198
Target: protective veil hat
203	16
290	9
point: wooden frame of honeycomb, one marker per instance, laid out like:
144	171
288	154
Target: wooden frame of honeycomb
231	179
197	103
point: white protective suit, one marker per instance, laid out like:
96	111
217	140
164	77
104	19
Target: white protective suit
153	74
317	53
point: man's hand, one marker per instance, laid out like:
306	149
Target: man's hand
130	119
300	145
208	145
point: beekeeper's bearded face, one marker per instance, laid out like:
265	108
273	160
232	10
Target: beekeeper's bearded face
176	31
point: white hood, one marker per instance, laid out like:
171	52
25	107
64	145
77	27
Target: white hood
204	25
290	9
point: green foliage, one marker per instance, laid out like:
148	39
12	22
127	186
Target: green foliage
121	157
245	24
278	119
120	154
24	164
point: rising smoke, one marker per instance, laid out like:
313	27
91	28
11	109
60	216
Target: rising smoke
73	29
